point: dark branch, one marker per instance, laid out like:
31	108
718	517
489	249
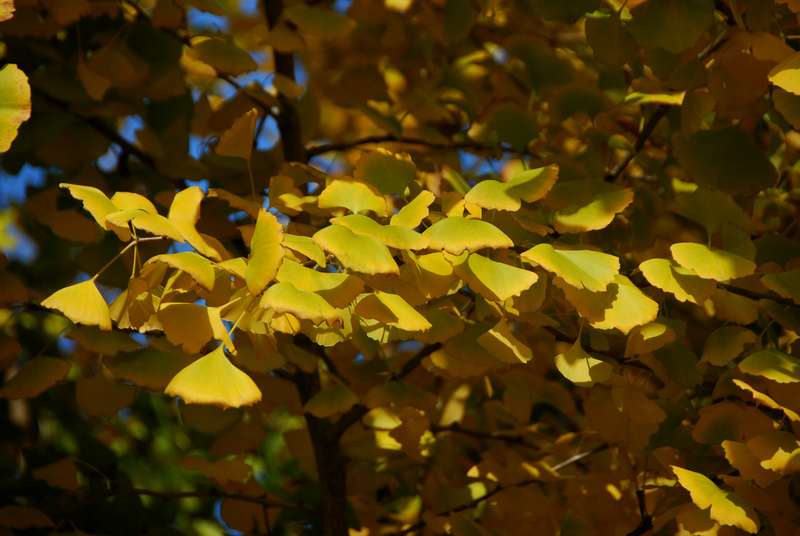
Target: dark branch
342	146
756	295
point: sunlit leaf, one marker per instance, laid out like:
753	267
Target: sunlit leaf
184	212
35	377
708	263
598	214
493	280
457	234
777	450
581	268
391	310
433	273
98	205
15	103
389	173
358	252
338	289
414	212
266	253
331	400
684	283
190	325
772	364
353	195
154	224
503	345
748	465
767	401
224	56
215	381
785	74
581	368
82	303
648	338
393	236
529	186
197	266
727	508
6	9
238	139
305	246
726	344
285	298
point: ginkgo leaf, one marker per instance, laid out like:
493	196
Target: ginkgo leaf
214	380
391	310
673	26
155	224
414	212
389	173
491	279
221	471
684	283
330	401
457	234
190	325
15	103
393	236
99	206
696	206
353	195
319	21
306	246
581	368
152	367
772	364
197	266
503	345
285	298
358	252
35	377
727	508
266	253
400	394
6	9
785	284
248	206
785	74
765	400
581	268
224	56
61	474
18	517
238	139
433	273
184	213
743	459
529	186
708	263
338	289
777	451
726	344
99	396
598	214
82	303
648	338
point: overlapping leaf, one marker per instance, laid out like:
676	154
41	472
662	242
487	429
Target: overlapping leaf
266	253
457	234
284	297
82	303
716	264
493	280
684	283
727	508
529	186
360	253
579	367
353	195
581	268
394	236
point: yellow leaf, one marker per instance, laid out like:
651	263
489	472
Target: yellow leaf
99	206
772	364
224	56
581	268
581	368
99	396
184	213
727	508
338	289
266	253
786	284
248	206
415	211
391	310
725	344
648	338
81	303
716	264
6	9
15	103
35	377
190	325
152	367
238	139
400	394
305	246
457	234
682	282
197	266
749	466
765	400
501	343
786	75
154	224
777	451
353	195
394	236
529	186
357	252
598	214
214	380
330	401
285	298
389	173
491	279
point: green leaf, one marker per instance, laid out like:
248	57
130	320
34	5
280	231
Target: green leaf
785	284
581	268
224	56
393	236
353	195
15	103
698	204
318	20
582	369
610	42
457	234
504	122
266	253
338	289
529	186
491	279
330	401
598	214
726	344
708	263
727	508
35	377
414	212
357	252
772	364
682	282
197	266
82	303
673	25
238	139
213	380
389	173
725	160
285	298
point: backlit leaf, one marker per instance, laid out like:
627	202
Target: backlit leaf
529	186
99	206
357	252
35	377
581	368
330	401
648	338
682	282
389	173
726	344
338	289
504	122
457	234
391	310
749	466
15	103
81	303
214	380
414	212
224	56
155	224
238	139
727	508
765	400
785	284
305	246
190	325
99	396
503	345
285	298
778	451
598	214
266	252
772	364
353	195
493	280
786	75
6	9
393	236
184	213
197	266
715	264
581	268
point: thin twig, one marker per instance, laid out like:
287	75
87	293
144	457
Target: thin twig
756	295
389	138
455	428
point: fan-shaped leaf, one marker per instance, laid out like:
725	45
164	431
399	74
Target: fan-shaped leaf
99	206
154	224
648	338
456	234
393	236
786	74
305	246
503	345
581	268
35	377
330	401
726	344
266	253
100	396
338	289
353	195
389	173
184	213
15	103
224	56
727	508
285	298
529	186
598	214
391	310
197	266
81	303
786	284
772	364
710	263
238	139
493	280
214	380
357	252
221	471
151	368
414	212
581	368
682	282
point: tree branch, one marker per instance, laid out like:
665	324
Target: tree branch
455	428
342	146
756	295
